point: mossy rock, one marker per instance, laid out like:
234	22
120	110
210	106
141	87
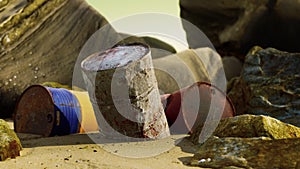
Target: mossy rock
40	41
247	126
10	145
250	153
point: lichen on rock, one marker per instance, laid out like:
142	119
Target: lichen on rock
269	85
248	126
10	145
259	152
40	41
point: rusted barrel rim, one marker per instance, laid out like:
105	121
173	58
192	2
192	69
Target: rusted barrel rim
148	52
174	109
55	129
24	92
227	98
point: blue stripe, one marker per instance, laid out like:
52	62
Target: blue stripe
70	113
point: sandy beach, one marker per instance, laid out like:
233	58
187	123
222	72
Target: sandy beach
81	151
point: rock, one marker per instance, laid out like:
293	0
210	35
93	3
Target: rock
269	85
176	71
10	145
235	26
248	153
232	67
40	41
158	48
247	126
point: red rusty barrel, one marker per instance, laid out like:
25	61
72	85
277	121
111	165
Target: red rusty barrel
188	108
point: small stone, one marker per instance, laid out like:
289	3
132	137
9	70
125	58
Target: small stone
10	145
260	152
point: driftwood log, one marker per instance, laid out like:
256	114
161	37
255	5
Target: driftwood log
123	90
40	41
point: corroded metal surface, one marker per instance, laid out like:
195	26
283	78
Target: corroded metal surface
124	93
35	112
183	117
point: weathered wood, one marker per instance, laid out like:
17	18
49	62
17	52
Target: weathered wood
123	87
40	41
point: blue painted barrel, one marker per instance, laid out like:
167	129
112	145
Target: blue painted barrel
47	111
67	112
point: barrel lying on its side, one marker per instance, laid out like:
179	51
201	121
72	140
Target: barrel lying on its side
51	111
40	41
188	109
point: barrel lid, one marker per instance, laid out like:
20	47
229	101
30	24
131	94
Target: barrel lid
34	112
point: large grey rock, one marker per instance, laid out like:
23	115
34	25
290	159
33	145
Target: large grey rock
234	26
40	41
269	85
10	145
260	152
176	71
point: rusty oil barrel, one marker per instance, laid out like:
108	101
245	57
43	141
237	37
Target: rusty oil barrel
124	93
185	112
53	111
